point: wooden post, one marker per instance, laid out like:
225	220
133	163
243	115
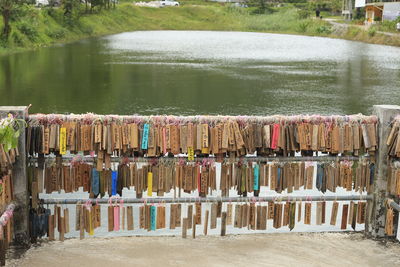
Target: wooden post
20	181
376	207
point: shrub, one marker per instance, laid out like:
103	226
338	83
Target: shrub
303	25
353	31
27	29
58	33
17	38
324	30
86	29
303	14
371	31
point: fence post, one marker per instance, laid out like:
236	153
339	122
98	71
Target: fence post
376	220
20	181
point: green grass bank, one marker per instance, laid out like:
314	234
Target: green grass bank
34	28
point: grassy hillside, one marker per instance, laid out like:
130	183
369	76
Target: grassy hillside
35	28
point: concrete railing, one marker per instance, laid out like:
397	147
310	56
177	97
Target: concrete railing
375	225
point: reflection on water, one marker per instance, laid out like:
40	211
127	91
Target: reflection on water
175	72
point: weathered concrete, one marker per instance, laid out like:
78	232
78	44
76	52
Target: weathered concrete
20	181
376	225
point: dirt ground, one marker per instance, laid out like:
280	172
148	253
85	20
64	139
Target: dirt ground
294	249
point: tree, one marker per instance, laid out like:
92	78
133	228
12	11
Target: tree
6	7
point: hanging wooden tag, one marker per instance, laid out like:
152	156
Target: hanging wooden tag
134	136
63	141
206	222
275	136
219	209
335	207
238	216
354	219
198	213
184	227
309	177
153	218
145	137
271	210
252	216
292	215
267	136
149	184
225	137
59	218
264	212
278	216
92	218
363	212
142	217
51	228
123	216
214	210
82	223
299	211
129	215
223	224
229	217
66	220
190	153
97	209
307	213
194	226
161	217
178	215
389	231
319	213
344	217
258	217
110	218
172	216
245	215
174	139
286	210
78	210
351	211
189	216
204	139
238	137
46	144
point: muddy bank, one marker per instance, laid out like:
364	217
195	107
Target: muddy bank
294	249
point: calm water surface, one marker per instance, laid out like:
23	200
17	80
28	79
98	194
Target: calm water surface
193	72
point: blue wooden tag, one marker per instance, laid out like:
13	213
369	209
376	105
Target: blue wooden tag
145	138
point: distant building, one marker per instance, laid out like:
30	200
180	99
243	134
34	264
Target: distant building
380	11
374	10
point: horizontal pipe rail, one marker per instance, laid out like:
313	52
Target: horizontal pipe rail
227	159
394	205
205	200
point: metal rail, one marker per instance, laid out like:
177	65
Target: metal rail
394	205
205	200
226	159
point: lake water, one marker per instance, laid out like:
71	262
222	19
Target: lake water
200	72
